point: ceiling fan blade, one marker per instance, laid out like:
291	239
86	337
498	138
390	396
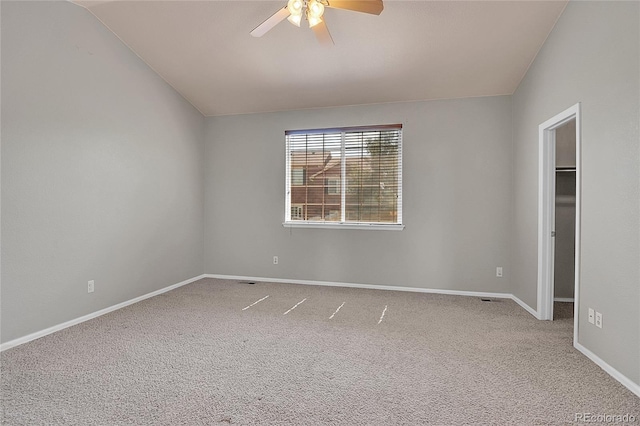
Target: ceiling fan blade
271	22
322	34
373	7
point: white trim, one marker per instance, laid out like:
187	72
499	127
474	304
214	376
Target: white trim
546	212
287	181
400	183
564	299
525	306
67	324
344	225
546	220
367	286
577	244
343	179
624	380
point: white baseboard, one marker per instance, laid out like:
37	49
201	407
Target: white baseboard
367	286
46	331
525	306
626	382
563	299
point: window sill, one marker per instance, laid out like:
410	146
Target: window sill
343	225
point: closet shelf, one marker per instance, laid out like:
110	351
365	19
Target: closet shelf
565	199
565	169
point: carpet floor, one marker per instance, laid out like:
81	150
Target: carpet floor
206	353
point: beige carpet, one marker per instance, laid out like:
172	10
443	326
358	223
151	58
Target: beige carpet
194	356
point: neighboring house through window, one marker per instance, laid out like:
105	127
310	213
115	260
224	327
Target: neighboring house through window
298	176
333	186
297	212
344	177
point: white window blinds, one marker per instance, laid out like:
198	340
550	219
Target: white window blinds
344	176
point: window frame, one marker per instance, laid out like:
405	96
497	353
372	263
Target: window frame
343	224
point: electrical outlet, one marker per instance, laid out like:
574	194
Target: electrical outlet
598	320
90	286
275	260
499	272
591	316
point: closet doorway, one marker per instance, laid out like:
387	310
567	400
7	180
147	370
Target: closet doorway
564	235
559	217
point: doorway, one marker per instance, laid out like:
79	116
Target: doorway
559	189
564	222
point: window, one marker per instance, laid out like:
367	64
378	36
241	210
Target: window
344	177
298	175
333	186
296	212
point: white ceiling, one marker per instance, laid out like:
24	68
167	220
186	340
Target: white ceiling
415	50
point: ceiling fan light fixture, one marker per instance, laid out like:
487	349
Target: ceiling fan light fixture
295	19
295	7
313	21
315	8
313	11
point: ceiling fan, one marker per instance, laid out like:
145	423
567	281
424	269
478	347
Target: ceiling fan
312	11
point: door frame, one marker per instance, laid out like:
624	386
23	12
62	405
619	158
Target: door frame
546	212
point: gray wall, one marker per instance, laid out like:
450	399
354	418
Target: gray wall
592	57
101	170
457	203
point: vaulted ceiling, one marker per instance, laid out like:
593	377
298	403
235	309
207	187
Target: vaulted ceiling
415	50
